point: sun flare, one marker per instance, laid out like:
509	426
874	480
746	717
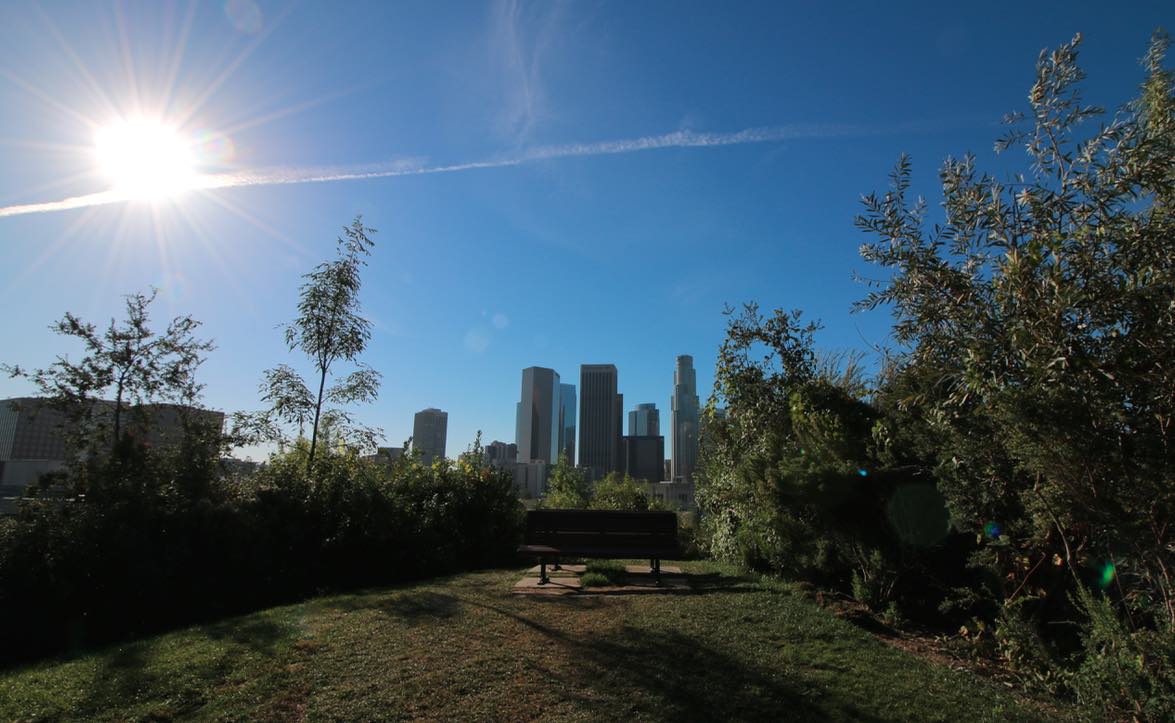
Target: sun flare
145	158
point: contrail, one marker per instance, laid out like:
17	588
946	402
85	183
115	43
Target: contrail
324	174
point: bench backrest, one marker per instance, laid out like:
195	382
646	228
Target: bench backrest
572	529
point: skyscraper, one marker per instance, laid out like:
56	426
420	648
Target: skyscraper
644	421
600	413
430	429
567	421
685	419
538	416
642	456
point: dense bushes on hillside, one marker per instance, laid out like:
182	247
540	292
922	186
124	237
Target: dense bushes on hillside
1030	399
154	549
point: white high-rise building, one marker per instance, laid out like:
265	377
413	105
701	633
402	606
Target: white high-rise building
685	419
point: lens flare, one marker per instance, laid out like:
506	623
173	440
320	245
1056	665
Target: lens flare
1108	574
992	530
863	472
213	148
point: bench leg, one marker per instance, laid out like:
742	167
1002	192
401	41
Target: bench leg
655	564
543	579
556	565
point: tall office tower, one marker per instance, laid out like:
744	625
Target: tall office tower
567	421
685	419
538	416
430	428
600	413
618	465
644	421
642	457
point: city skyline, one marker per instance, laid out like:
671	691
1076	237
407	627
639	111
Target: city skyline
538	384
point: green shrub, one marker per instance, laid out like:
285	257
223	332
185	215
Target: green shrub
616	492
143	552
1124	673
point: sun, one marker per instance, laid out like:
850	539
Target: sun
145	158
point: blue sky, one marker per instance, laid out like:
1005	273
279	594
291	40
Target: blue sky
577	242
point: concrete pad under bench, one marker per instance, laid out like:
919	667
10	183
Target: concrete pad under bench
563	570
644	570
557	586
644	586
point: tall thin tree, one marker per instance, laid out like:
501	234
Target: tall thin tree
329	328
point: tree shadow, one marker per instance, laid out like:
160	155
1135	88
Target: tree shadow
410	606
260	636
127	672
680	677
677	676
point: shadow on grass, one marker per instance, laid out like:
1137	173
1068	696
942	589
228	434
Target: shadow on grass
127	672
260	636
667	674
410	606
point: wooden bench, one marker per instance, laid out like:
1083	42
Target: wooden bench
555	534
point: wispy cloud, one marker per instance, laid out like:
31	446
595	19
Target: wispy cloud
520	36
326	174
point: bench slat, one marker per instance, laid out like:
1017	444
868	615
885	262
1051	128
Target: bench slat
604	533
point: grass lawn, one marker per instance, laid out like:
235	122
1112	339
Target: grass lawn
463	647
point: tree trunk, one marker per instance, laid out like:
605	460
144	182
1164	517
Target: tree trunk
317	411
117	418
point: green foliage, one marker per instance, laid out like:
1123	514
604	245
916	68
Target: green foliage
1032	386
795	479
171	540
567	488
1124	673
1036	376
616	492
329	328
128	363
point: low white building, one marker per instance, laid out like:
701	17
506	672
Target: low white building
33	434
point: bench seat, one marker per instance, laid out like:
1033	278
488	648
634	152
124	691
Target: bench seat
608	534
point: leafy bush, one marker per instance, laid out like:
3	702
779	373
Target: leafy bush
1028	401
616	492
145	551
1123	673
